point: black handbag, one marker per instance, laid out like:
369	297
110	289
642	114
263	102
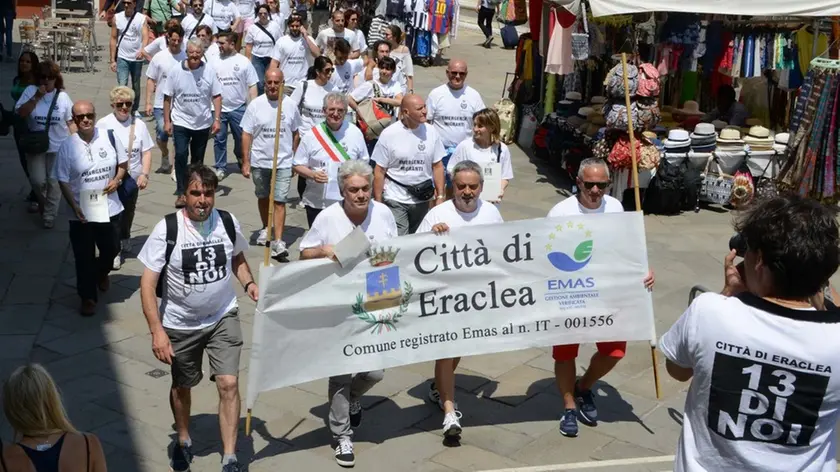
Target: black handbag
424	191
128	188
38	142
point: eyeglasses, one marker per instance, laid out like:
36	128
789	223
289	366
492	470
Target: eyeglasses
456	73
85	116
123	104
600	185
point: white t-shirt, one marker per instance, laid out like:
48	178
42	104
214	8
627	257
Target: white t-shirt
311	153
407	155
342	78
260	120
192	92
224	12
361	42
262	43
451	112
326	40
37	120
246	9
132	41
332	225
190	23
158	68
396	76
571	207
213	53
763	396
198	278
294	57
237	75
142	139
160	44
389	90
312	112
467	150
90	166
484	214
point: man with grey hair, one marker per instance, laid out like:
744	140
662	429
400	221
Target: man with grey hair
593	180
356	209
322	151
258	130
191	87
465	209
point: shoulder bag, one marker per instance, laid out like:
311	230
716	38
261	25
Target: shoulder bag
128	188
196	26
38	142
273	41
373	117
766	186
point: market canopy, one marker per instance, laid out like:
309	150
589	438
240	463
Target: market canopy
721	7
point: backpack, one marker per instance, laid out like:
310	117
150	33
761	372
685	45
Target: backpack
373	118
664	195
507	117
172	239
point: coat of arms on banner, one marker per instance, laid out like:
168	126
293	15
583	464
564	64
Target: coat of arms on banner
387	298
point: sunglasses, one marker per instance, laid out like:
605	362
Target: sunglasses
85	116
457	74
600	185
123	105
329	70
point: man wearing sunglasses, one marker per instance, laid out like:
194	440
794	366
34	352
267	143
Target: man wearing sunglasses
194	18
88	170
593	180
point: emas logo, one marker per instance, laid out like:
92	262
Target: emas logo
384	293
581	255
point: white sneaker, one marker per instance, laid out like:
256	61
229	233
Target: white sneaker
220	173
278	249
344	453
451	425
173	176
117	262
262	237
434	397
125	245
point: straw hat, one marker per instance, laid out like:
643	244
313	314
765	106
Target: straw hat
574	96
691	108
730	136
758	137
782	139
677	138
597	120
584	112
753	122
597	99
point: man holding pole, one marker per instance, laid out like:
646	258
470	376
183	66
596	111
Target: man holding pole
263	150
593	180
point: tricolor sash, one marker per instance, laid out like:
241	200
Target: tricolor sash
331	145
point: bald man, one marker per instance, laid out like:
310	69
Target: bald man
451	106
89	168
409	174
258	128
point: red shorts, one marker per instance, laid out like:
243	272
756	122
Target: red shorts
568	352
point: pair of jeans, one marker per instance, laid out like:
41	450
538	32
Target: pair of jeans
485	20
40	177
408	216
261	66
342	390
232	120
127	218
86	238
7	23
125	69
192	142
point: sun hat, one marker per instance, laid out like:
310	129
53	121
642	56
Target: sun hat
730	136
597	120
576	96
720	124
691	108
703	131
575	121
781	138
753	122
677	138
598	99
584	112
758	134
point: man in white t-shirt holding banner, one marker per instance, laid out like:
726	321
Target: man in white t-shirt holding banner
190	89
190	259
294	54
129	36
89	169
450	107
760	357
465	209
258	133
409	174
593	180
239	85
355	210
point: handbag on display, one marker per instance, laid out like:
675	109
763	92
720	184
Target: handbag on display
716	187
580	41
743	190
38	142
767	186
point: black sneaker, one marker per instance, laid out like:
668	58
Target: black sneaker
232	467
586	406
355	413
181	458
344	453
568	424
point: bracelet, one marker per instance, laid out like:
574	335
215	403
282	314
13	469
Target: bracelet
248	285
439	197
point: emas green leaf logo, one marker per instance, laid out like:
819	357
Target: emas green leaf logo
582	253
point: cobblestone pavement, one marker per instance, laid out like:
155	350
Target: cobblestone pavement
105	366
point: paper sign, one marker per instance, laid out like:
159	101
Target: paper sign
332	192
492	181
352	247
94	205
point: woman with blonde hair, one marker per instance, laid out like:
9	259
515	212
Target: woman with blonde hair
47	441
485	147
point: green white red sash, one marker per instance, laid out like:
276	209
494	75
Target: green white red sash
333	148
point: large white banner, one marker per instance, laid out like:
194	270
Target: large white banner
476	290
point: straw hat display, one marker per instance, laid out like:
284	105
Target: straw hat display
678	140
758	138
704	138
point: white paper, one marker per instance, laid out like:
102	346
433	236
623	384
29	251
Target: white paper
332	192
352	247
492	181
94	205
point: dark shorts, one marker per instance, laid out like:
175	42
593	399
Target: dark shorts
222	342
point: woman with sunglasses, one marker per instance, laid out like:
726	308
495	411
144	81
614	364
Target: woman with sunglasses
27	75
259	43
485	147
128	128
309	95
34	105
351	22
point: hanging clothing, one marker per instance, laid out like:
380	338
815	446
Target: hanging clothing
559	57
805	43
440	16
